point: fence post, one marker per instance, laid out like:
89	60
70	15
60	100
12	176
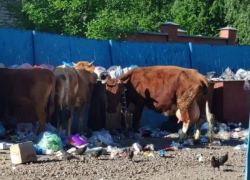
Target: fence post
190	45
247	177
33	47
110	52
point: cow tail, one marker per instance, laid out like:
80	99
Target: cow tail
210	119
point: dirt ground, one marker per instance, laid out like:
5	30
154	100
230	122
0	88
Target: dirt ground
177	165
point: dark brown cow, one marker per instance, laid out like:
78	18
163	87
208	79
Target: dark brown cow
27	87
166	89
73	86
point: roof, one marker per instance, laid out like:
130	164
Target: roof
180	30
170	23
228	28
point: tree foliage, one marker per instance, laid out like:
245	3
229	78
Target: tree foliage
113	19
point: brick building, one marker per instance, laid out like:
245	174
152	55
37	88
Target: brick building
169	32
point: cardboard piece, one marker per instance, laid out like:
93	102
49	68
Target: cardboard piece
22	153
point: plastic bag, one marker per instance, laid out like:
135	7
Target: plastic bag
25	66
115	71
246	85
47	66
223	135
49	140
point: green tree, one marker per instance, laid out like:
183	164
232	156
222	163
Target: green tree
199	17
123	17
69	17
238	16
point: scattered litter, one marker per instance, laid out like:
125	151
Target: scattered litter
204	140
216	143
241	147
173	135
49	140
189	142
148	147
169	149
22	153
176	145
200	157
137	148
161	153
151	154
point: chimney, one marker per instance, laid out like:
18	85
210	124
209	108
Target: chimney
230	33
171	28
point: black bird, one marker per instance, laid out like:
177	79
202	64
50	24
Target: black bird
215	163
81	151
223	159
67	156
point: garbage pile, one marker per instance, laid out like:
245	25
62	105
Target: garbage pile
228	74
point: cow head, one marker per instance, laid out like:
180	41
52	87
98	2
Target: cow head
88	66
114	89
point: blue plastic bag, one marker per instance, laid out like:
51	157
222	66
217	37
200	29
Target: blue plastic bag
67	64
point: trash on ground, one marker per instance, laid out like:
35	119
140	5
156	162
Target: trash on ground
176	145
204	140
148	147
161	153
189	142
137	148
22	153
172	135
241	147
50	141
151	154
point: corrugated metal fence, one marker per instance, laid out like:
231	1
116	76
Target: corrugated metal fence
18	46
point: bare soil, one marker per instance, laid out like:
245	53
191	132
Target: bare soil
177	165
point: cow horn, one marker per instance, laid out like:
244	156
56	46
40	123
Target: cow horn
74	63
91	63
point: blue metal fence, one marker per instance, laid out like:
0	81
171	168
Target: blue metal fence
16	47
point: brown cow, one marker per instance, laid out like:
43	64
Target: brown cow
27	87
73	86
166	89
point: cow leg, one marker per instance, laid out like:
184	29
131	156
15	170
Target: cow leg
68	116
59	121
183	133
137	118
81	114
40	111
198	131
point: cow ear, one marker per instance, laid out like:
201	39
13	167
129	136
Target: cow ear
125	81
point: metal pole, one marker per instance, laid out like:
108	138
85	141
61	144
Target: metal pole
247	176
